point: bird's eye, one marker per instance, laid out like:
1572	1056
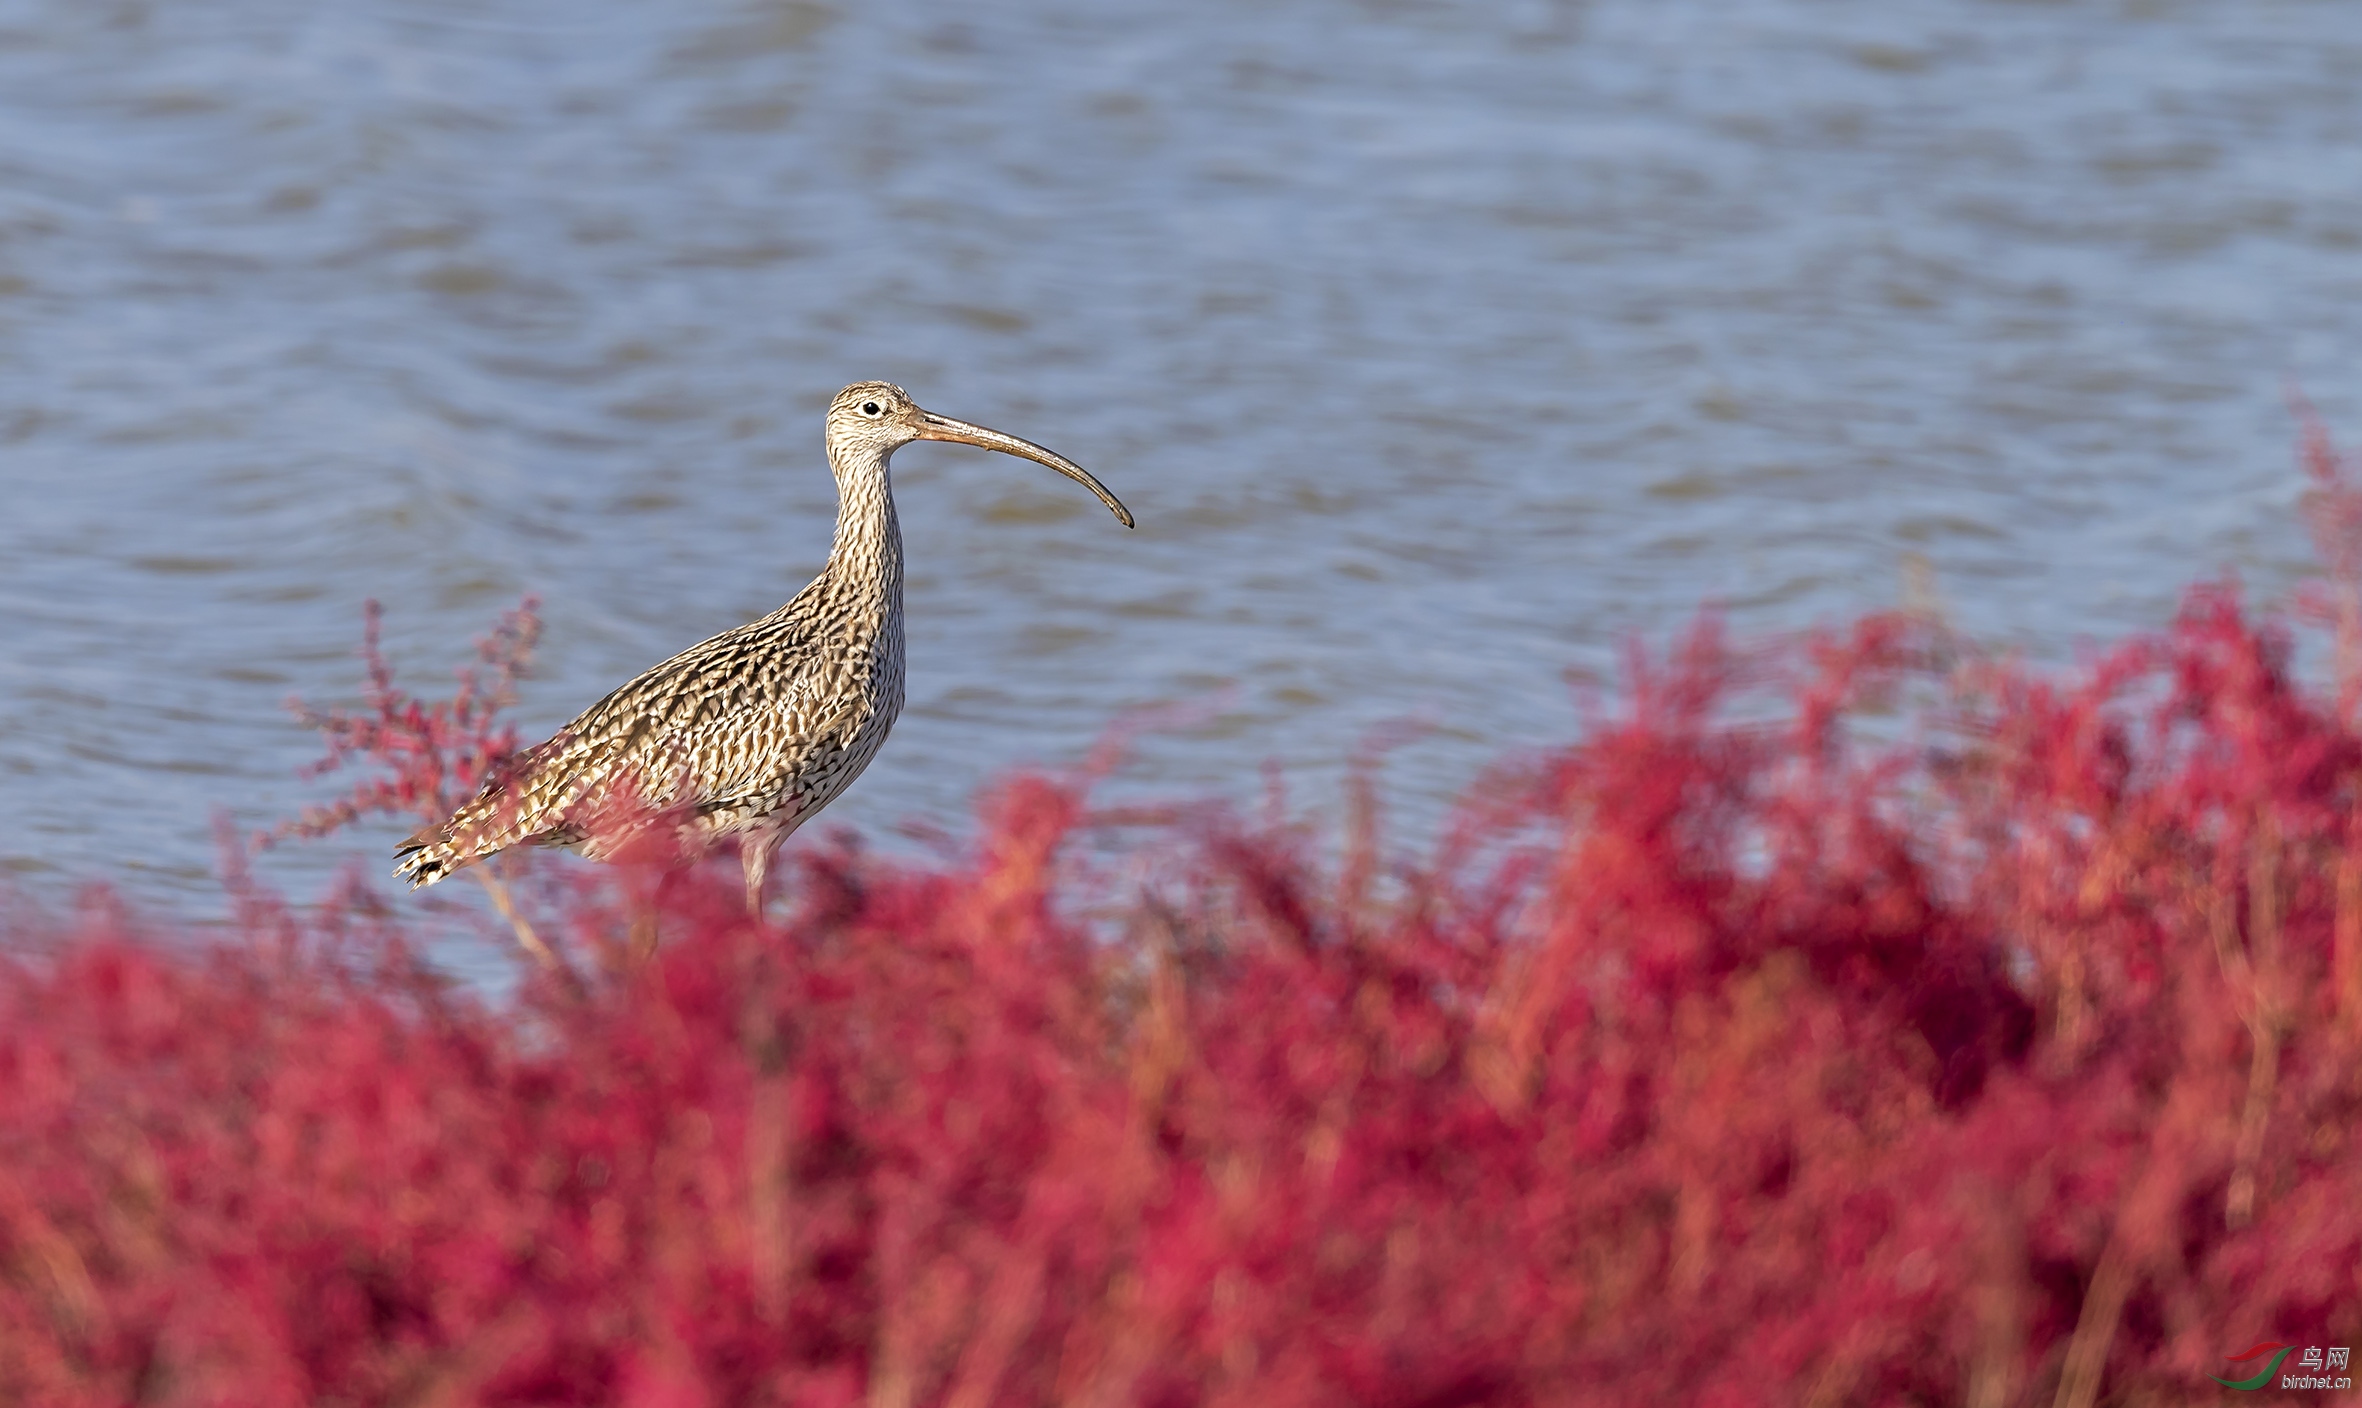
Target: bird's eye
869	408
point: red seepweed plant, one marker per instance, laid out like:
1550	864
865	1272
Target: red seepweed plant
430	755
2333	516
1725	1056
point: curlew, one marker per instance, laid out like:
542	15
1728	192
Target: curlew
742	737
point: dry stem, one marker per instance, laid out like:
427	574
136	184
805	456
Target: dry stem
2261	1013
508	910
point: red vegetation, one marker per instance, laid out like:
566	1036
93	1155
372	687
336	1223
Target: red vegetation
2006	1056
433	754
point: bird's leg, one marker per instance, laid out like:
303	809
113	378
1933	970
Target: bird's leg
754	853
651	904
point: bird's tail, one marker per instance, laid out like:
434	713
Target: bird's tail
519	805
496	818
483	826
428	855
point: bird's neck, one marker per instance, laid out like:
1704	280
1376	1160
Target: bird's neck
868	547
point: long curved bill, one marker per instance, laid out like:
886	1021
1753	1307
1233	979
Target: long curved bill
935	427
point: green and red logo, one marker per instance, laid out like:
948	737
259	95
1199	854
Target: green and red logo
2277	1350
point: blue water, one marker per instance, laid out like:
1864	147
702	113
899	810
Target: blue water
1439	349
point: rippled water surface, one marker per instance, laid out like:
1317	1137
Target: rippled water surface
1439	348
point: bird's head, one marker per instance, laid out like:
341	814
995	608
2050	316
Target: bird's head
873	419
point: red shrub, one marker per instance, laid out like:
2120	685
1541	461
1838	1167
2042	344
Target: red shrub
1708	1061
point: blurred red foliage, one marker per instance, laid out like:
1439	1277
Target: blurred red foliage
1966	1035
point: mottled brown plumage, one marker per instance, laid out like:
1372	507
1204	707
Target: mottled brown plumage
748	734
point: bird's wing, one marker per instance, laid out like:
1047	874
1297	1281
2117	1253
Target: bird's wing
699	727
707	727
